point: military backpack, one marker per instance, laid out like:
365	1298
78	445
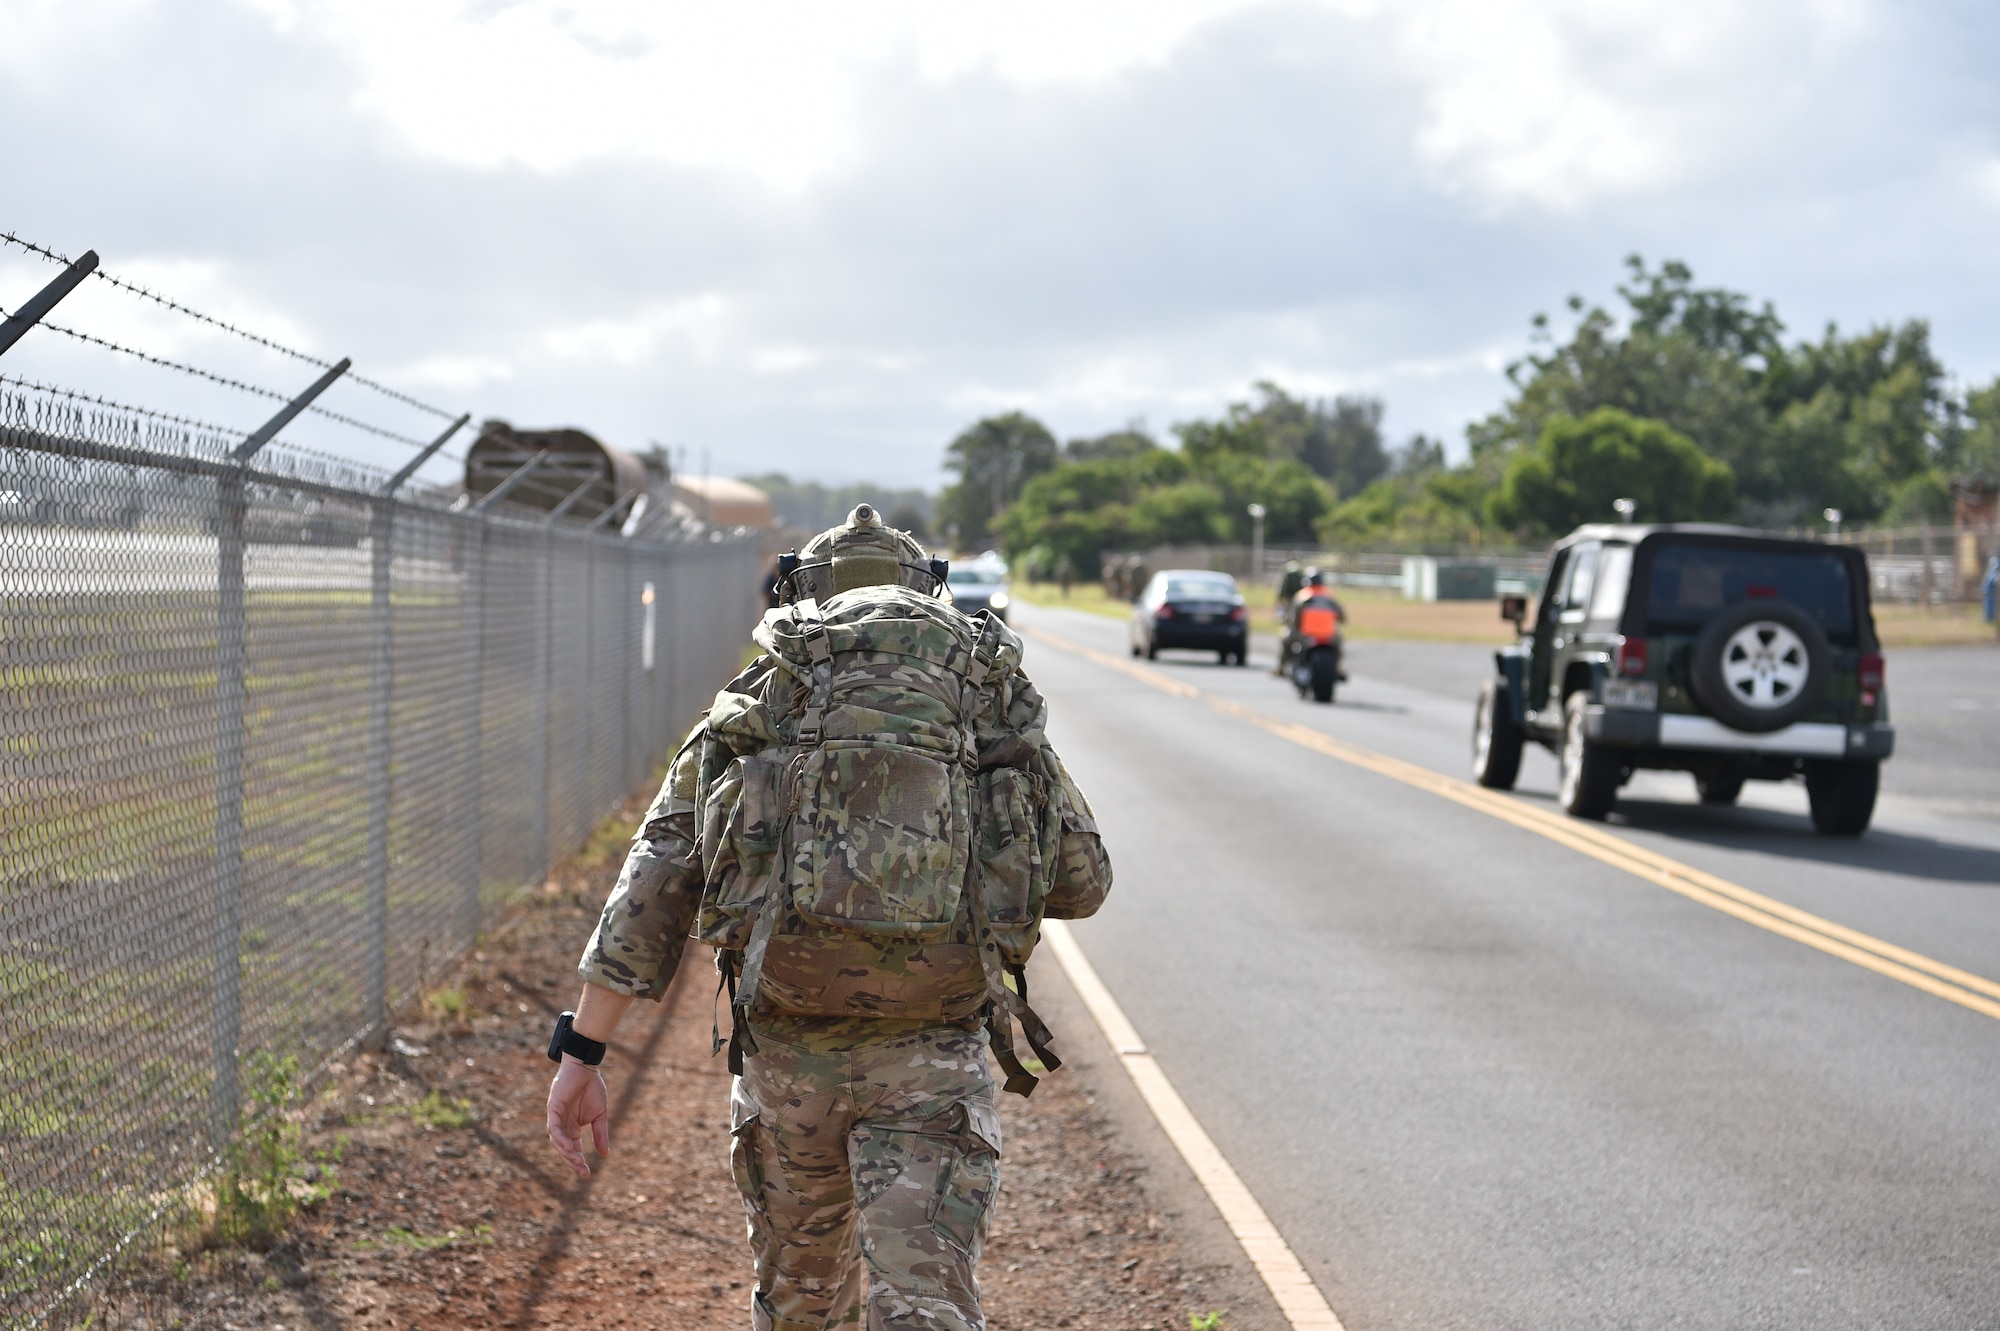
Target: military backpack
877	839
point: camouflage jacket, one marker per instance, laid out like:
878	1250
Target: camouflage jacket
643	931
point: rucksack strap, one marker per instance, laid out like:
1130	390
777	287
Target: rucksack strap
1001	1014
741	1042
812	628
980	666
1005	1006
984	649
1000	1031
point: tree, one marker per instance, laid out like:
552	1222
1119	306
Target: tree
1082	509
1681	359
1431	506
1846	422
1293	498
1419	455
1189	513
1128	442
1579	466
1339	440
1975	450
909	518
815	507
992	460
1852	421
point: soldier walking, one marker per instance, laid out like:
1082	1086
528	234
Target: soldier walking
869	826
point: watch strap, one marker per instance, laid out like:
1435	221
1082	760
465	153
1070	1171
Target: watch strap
566	1040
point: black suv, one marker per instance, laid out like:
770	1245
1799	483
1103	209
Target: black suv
1719	651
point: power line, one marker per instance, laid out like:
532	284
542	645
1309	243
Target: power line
146	293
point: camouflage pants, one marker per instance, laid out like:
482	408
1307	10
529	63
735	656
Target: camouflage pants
868	1154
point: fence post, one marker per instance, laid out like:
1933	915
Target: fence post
476	696
475	599
18	323
1930	571
226	1012
593	807
543	679
375	965
381	682
627	698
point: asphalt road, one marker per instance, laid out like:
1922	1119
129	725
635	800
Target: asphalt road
1481	1080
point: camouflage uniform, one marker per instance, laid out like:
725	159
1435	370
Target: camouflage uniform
866	1149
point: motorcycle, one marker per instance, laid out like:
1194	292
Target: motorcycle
1313	649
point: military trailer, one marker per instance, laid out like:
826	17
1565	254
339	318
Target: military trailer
577	473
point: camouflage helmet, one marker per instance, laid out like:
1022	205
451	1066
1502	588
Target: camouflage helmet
862	552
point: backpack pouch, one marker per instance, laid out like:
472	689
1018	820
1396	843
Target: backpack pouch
1014	866
740	836
828	975
882	829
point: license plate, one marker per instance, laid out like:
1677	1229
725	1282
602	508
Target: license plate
1204	619
1640	694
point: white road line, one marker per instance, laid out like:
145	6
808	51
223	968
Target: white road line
1297	1297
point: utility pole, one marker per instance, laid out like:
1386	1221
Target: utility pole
999	482
1257	512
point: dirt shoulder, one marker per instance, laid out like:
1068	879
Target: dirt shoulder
450	1210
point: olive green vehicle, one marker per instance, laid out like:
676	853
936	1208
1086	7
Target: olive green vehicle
1727	653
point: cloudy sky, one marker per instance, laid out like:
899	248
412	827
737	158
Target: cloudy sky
822	237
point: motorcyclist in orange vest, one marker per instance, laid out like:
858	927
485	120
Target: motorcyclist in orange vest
1314	619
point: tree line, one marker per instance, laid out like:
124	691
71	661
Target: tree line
1688	400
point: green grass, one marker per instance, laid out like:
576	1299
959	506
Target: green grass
448	1002
436	1110
1089	597
479	1236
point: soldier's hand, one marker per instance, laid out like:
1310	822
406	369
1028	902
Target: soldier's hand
577	1099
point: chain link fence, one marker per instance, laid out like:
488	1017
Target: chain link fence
272	748
1927	565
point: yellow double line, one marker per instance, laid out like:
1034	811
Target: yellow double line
1975	992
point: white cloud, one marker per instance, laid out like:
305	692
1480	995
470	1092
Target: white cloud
1559	102
463	374
763	87
695	324
820	245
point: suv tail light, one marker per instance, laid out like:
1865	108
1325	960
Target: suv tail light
1632	656
1237	613
1166	611
1871	678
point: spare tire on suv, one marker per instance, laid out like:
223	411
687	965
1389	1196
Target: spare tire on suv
1761	665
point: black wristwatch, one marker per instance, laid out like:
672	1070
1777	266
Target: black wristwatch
579	1047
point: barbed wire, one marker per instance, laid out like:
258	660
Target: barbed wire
146	293
92	398
224	380
168	417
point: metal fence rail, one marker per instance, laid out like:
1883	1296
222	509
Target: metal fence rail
272	746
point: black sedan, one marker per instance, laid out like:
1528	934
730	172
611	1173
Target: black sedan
1192	608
